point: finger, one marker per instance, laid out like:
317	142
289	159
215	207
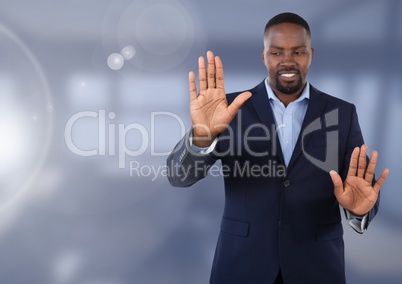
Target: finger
211	70
353	162
238	102
202	74
380	181
219	73
369	175
192	87
362	164
338	184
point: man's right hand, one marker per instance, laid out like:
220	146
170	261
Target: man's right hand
209	110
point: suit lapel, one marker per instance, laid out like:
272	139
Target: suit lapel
260	102
315	110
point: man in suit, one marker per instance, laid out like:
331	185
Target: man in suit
290	155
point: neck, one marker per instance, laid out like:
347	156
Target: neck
286	99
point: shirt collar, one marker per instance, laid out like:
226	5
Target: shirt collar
304	95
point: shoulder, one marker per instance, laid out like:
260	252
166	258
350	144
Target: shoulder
330	100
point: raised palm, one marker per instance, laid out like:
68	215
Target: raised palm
357	194
209	110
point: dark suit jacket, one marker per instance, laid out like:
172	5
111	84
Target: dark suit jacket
276	218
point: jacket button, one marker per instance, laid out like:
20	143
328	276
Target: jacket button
286	183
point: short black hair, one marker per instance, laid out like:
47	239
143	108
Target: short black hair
288	18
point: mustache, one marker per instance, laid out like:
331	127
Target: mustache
288	69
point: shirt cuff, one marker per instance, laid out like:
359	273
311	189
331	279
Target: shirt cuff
358	223
201	150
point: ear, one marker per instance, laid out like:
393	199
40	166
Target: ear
312	53
262	56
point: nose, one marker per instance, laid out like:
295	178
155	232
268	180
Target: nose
287	59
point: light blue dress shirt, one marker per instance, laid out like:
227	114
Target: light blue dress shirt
288	120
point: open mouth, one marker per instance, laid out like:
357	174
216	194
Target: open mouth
288	75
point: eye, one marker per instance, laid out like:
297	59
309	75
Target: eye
275	53
300	52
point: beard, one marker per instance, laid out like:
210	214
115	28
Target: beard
289	90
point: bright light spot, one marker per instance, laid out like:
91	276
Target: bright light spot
26	118
12	143
115	61
128	52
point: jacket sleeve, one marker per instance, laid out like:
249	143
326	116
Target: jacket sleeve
186	167
355	139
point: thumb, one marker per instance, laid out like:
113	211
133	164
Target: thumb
238	102
337	181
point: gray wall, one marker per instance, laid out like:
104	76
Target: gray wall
67	218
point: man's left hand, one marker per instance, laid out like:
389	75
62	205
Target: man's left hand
357	194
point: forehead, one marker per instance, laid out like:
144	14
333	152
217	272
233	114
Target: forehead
287	34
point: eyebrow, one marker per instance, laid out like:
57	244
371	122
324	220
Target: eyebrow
281	48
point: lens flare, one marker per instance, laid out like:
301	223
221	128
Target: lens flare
115	61
128	52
